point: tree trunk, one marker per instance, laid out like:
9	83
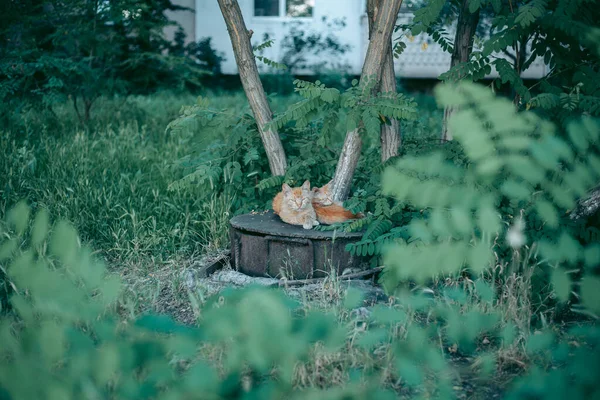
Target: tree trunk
463	46
391	137
587	206
244	58
390	134
379	45
520	58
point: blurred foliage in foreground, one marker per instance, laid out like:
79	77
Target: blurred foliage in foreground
60	320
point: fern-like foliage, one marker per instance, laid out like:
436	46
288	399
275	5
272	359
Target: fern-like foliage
521	173
271	63
426	16
264	45
267	61
361	108
530	12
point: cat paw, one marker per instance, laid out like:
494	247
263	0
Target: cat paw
307	226
315	223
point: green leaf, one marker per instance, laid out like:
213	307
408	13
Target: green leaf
562	284
106	363
387	315
63	242
18	217
515	190
529	12
461	219
488	219
591	255
484	290
590	293
52	339
539	342
474	5
157	323
354	298
487	363
201	378
409	372
111	288
373	337
480	257
547	212
39	229
509	333
8	248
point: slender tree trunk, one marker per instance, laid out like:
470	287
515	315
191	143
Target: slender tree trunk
390	134
520	58
587	206
391	137
463	46
379	44
244	57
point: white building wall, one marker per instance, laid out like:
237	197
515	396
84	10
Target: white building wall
209	22
415	62
186	19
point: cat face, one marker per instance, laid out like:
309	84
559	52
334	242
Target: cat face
299	198
323	195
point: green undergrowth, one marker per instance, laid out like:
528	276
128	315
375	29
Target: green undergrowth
481	304
114	180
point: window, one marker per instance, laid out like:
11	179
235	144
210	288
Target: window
287	8
299	8
266	8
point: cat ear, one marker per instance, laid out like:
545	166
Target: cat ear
306	185
286	188
328	185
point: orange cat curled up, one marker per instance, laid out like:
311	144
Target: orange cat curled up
330	211
296	206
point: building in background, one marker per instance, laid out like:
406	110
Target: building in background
275	18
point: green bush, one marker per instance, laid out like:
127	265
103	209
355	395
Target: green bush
63	328
62	313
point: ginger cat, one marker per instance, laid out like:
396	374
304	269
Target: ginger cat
329	211
294	206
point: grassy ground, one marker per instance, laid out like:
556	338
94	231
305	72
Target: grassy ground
111	181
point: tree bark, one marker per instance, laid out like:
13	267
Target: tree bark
246	63
391	137
587	206
390	134
379	44
463	46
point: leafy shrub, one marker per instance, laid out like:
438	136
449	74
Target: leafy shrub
68	51
83	346
64	327
519	173
511	196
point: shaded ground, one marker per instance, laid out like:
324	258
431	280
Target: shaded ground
176	290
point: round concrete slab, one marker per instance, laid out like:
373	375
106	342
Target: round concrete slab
269	223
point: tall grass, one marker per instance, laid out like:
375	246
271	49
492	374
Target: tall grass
110	178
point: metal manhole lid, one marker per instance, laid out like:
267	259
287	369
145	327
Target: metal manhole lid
270	224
